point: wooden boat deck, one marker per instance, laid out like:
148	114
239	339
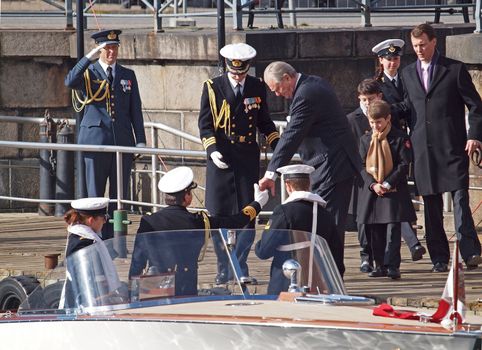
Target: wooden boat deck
25	238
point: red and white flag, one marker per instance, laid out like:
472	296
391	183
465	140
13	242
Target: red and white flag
445	310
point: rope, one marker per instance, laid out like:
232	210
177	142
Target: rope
95	15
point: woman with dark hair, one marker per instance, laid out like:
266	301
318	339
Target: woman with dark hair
388	54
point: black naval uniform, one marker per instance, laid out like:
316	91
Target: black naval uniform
75	243
392	208
229	125
296	215
178	251
393	95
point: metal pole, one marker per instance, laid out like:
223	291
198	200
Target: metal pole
120	179
154	166
478	17
80	186
221	35
157	18
366	13
291	6
68	15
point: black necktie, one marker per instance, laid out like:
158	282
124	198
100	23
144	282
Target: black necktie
110	77
237	93
394	82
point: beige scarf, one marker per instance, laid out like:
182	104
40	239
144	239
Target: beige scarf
379	162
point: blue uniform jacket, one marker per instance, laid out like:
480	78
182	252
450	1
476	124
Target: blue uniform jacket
97	126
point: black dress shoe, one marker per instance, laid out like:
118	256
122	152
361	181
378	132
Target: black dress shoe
440	267
366	267
378	272
393	273
473	262
221	278
417	252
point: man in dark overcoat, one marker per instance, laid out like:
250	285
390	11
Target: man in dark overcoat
233	108
296	214
179	250
319	131
109	95
437	91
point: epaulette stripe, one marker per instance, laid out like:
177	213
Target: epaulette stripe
249	211
273	136
208	141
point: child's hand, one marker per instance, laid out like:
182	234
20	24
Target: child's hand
379	190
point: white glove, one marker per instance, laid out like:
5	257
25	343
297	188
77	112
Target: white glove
92	55
260	196
141	144
217	159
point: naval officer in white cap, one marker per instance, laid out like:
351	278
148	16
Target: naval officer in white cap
233	110
183	254
301	211
389	54
85	221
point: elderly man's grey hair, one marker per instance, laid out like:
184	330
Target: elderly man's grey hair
277	69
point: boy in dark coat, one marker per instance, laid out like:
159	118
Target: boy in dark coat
384	201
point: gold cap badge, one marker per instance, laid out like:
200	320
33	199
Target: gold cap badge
112	36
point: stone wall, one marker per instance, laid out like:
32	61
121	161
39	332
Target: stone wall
170	68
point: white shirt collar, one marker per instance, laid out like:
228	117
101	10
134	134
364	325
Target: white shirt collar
105	65
390	77
234	82
425	65
305	196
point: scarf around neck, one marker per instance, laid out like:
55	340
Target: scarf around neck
379	162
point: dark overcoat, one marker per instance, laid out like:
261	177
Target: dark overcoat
438	125
229	190
359	126
394	206
294	216
319	131
178	251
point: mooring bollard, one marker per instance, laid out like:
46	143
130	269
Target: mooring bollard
47	161
64	186
120	222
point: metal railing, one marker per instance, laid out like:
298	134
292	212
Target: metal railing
238	8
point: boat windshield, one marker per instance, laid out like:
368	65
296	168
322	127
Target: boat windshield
172	266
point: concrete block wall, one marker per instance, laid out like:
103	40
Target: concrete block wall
171	68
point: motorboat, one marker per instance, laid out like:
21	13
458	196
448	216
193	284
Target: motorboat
156	291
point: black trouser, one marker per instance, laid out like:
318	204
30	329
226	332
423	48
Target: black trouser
437	242
408	234
337	199
385	242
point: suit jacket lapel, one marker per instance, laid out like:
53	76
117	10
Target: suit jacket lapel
438	73
228	90
414	76
302	78
100	72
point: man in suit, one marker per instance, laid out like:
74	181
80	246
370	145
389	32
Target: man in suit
319	131
437	91
179	250
294	215
109	95
233	109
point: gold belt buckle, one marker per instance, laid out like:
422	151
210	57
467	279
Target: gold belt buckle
242	139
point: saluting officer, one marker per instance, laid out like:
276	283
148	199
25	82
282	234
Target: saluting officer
182	249
233	108
109	95
294	214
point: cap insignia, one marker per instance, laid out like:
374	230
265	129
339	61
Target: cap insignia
392	49
236	63
112	35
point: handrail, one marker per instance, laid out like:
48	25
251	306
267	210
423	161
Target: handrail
365	8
